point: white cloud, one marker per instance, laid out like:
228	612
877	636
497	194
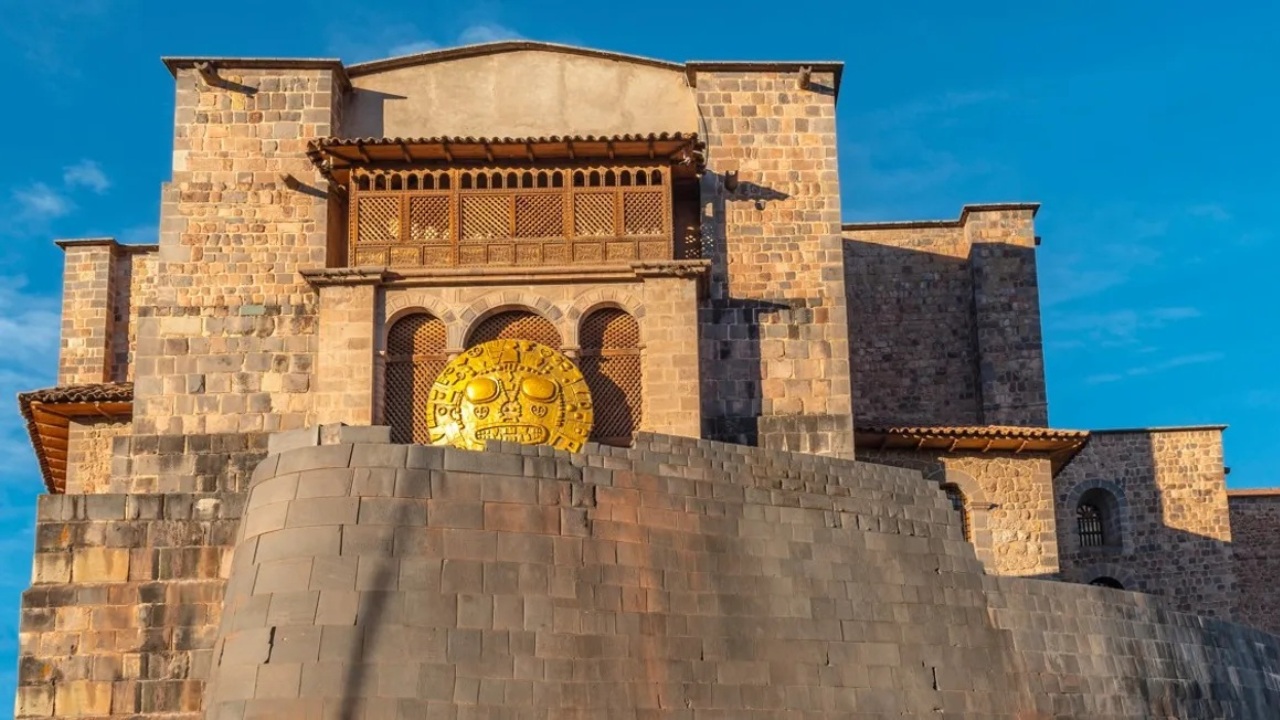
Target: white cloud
378	39
412	47
1171	363
1114	328
86	173
39	202
486	33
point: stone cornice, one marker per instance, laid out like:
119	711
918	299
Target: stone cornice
324	277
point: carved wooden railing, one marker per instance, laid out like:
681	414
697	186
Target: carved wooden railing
449	217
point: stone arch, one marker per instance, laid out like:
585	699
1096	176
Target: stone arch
498	301
977	507
594	299
401	304
1117	523
1087	574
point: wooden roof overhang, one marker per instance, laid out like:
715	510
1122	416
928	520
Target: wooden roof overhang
335	156
49	413
1059	445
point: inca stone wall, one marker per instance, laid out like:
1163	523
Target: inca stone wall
1174	527
1009	499
676	579
1255	552
773	330
125	599
944	320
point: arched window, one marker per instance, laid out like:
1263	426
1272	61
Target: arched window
610	362
1097	519
956	496
415	357
1107	582
515	325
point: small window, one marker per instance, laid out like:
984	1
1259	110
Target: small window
958	503
1107	582
1098	519
1089	518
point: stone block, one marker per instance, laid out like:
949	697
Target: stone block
337	608
323	511
425	457
483	463
447	514
329	482
283	575
278	680
283	442
293	608
333	573
412	483
400	512
100	565
314	458
381	455
299	542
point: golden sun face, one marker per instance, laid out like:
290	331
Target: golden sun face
510	390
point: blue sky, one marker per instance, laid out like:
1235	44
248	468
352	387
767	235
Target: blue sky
1149	136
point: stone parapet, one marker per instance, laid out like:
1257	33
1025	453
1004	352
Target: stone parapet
380	580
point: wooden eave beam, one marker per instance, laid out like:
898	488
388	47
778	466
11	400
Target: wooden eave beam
448	154
364	155
652	152
405	152
488	151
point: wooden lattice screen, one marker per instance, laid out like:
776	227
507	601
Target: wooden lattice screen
515	325
510	216
415	357
610	363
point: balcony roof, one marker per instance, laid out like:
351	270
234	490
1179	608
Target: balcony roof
334	154
49	413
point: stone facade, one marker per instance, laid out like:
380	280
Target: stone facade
1009	502
774	337
1255	545
248	544
1173	529
944	320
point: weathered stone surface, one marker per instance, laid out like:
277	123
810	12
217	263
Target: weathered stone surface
733	579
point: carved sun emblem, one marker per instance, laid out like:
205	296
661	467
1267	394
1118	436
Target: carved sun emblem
513	390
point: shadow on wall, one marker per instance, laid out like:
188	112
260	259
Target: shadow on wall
912	337
1132	512
730	327
943	331
365	113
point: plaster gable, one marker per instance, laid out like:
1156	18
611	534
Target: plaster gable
526	92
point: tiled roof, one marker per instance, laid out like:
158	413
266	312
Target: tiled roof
1060	446
983	431
665	145
48	413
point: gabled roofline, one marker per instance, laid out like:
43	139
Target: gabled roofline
495	48
346	72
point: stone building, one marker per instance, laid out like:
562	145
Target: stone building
823	477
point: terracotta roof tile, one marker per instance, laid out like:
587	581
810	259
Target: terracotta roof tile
42	425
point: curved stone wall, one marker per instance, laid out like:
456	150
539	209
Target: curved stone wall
679	579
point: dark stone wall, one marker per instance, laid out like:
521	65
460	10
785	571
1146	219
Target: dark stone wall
676	579
1255	552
